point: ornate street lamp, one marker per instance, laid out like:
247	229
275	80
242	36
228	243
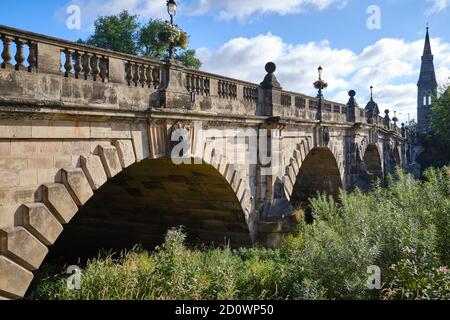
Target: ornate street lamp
320	85
172	11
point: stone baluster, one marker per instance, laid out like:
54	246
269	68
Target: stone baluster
32	56
87	66
188	82
207	87
20	56
78	64
192	80
197	84
150	76
6	54
136	74
202	86
95	67
142	75
68	63
156	77
104	72
129	74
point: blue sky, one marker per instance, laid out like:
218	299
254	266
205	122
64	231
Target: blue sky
237	37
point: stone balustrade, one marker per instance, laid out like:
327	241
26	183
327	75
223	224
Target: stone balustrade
130	82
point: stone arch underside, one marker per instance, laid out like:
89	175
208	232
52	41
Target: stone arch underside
142	202
109	178
372	161
319	172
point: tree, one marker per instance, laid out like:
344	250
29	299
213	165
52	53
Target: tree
116	32
188	59
123	33
440	119
149	42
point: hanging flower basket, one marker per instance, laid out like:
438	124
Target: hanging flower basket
320	84
171	34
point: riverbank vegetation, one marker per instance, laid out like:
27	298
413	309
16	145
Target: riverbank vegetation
402	228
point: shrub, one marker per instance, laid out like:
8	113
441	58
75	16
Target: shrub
403	228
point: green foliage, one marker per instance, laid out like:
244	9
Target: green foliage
117	32
403	228
440	119
123	33
418	278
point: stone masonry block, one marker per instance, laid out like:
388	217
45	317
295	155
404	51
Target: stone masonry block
110	160
288	186
20	245
125	151
39	221
60	202
14	279
94	171
292	175
77	185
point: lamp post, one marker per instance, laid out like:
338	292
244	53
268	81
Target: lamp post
408	114
172	11
320	85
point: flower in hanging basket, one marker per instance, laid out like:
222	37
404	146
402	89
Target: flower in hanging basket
320	84
169	34
183	40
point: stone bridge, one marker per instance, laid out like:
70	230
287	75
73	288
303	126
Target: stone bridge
86	139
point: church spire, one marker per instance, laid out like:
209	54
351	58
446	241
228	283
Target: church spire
427	73
427	48
427	87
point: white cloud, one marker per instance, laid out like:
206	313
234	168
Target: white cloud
240	9
91	9
224	9
391	65
437	6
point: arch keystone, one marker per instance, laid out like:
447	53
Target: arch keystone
59	201
18	244
125	151
77	185
94	171
15	279
39	221
110	160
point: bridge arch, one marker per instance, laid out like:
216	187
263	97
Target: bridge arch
317	171
82	203
372	161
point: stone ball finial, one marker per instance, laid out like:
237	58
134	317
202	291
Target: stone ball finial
271	67
386	111
352	93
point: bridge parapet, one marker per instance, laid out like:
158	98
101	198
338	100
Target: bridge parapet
63	73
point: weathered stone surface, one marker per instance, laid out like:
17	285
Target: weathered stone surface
77	185
14	279
20	245
110	160
94	171
126	152
60	202
40	222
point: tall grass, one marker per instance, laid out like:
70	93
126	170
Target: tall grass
403	228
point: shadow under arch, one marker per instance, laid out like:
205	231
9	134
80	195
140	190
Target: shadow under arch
319	172
142	202
372	161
